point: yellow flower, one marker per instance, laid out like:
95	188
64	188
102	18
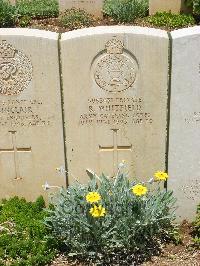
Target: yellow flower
93	197
139	190
161	176
98	211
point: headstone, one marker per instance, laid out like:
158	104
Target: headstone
31	143
184	141
173	6
13	2
91	6
115	100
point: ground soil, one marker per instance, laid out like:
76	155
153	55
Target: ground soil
53	24
183	254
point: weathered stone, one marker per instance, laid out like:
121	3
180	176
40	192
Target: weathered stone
184	141
115	94
13	2
31	143
91	6
173	6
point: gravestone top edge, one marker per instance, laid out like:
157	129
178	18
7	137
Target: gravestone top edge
29	33
114	30
185	32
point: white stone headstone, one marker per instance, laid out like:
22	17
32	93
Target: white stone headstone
31	142
184	134
173	6
13	2
91	6
115	100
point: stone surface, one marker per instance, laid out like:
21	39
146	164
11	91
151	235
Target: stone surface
184	141
174	6
91	6
115	93
13	2
31	143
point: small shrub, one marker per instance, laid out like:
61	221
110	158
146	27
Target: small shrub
7	14
24	21
196	231
75	19
169	20
195	5
37	8
23	239
111	220
125	10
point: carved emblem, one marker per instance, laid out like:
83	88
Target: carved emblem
116	70
15	70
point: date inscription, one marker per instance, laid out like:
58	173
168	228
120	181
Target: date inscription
115	111
23	113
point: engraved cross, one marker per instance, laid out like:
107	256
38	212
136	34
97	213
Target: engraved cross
15	150
115	148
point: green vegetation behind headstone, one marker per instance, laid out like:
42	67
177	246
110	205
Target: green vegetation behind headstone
38	8
125	10
169	20
7	14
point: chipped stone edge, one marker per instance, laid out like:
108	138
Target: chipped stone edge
181	33
114	30
29	33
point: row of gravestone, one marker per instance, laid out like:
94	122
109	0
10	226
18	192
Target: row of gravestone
95	6
122	94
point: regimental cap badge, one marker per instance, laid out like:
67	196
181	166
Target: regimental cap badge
114	46
7	51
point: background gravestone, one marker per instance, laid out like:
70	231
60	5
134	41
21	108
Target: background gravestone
13	2
184	142
115	96
173	6
91	6
31	143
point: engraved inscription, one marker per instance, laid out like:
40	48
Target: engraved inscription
83	2
115	71
15	150
115	148
15	70
115	111
24	113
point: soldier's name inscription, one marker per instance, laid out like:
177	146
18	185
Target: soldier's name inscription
115	111
23	113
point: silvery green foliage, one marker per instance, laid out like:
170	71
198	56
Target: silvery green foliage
196	7
131	224
126	10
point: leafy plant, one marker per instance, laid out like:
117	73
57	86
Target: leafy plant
24	21
125	10
23	239
111	219
75	19
7	14
170	20
195	4
196	231
38	8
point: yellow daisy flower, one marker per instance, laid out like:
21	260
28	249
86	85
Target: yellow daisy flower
98	211
139	190
161	176
93	197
